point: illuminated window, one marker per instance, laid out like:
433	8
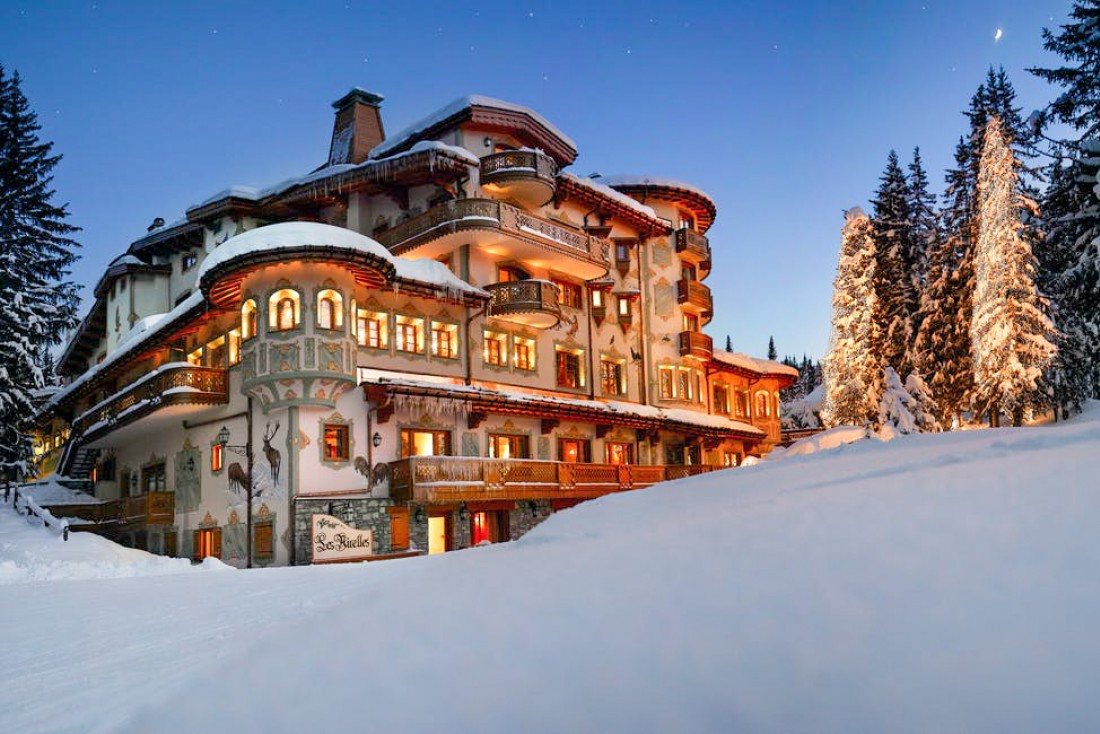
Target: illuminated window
409	334
353	314
666	382
721	399
570	294
618	452
624	306
248	319
691	322
570	367
778	410
330	309
508	446
489	527
597	299
612	380
574	450
216	457
683	383
742	403
371	329
206	543
510	274
425	443
336	442
762	409
283	309
523	353
234	339
697	387
495	348
444	340
216	352
195	357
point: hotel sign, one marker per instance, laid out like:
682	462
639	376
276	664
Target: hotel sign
335	541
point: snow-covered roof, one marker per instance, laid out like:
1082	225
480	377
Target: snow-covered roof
293	235
453	108
627	180
611	193
253	193
754	364
125	259
516	394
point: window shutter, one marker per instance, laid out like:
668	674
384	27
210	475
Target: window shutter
399	530
217	543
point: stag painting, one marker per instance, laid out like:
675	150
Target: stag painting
274	458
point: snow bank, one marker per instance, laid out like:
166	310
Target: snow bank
825	441
946	582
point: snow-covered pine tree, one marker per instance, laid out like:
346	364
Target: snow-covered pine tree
772	353
1078	42
923	225
1010	331
1068	276
39	304
1070	205
893	407
851	367
895	295
922	404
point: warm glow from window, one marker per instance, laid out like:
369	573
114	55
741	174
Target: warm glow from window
234	337
624	306
353	310
597	299
409	334
570	367
336	443
523	353
444	340
284	311
216	457
495	348
330	309
371	329
216	352
248	319
195	357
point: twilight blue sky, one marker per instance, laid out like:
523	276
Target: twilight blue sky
783	111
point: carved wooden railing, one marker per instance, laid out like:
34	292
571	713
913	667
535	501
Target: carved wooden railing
518	163
465	214
463	479
690	242
523	296
696	344
173	385
696	294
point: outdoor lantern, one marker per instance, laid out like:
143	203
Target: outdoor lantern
376	439
223	436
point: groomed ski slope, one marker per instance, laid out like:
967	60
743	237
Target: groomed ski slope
933	583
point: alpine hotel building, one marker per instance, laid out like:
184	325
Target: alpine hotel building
432	341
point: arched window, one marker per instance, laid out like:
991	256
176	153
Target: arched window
330	309
353	312
283	309
248	319
762	410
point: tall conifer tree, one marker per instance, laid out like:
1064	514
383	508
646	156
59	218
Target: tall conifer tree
39	303
851	367
1010	331
895	294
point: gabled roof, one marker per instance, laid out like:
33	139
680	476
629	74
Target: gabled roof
528	126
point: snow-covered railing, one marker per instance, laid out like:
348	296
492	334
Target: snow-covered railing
24	504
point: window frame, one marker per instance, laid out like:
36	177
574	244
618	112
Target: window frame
343	442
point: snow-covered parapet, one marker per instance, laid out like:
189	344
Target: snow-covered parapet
605	190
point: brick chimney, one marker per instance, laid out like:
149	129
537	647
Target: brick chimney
358	127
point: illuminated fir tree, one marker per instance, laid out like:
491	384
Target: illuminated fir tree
851	368
1011	334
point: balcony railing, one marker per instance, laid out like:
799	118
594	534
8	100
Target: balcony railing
692	244
153	508
532	302
172	384
462	479
696	344
519	165
480	214
695	294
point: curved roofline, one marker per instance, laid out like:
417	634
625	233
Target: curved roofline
694	198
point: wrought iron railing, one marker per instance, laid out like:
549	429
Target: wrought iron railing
523	296
516	163
173	385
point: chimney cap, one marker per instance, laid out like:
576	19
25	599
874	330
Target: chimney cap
358	94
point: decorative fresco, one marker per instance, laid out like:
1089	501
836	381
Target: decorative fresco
188	478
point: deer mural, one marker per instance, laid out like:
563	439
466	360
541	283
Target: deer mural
237	477
274	458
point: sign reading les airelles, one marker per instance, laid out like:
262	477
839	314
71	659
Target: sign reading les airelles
333	540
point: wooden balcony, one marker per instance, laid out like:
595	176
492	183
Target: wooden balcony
171	384
443	479
695	297
693	247
153	508
696	344
512	232
529	176
528	302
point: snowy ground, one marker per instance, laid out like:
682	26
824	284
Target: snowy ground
946	583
